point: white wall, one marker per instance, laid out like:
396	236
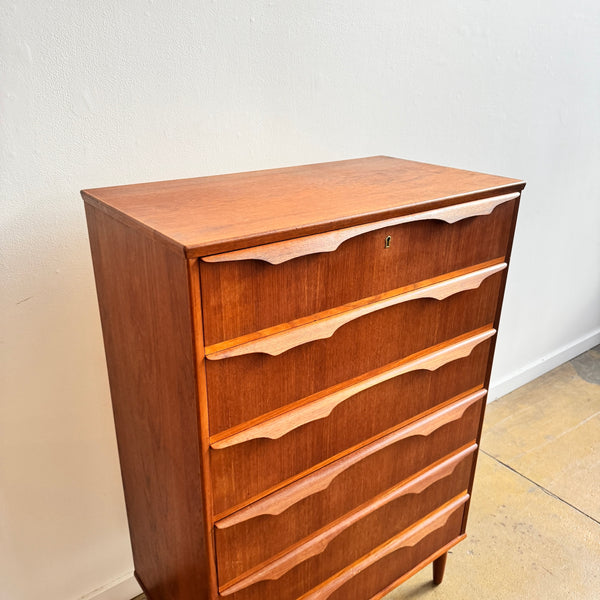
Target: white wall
101	93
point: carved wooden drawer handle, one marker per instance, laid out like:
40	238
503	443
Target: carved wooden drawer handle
320	405
279	342
279	501
410	537
279	252
318	542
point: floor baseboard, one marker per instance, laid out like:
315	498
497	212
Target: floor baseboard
123	588
543	365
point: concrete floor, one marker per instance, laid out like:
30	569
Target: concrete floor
534	523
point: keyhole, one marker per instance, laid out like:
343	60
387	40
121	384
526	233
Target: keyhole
388	241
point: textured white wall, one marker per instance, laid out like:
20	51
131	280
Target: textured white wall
102	93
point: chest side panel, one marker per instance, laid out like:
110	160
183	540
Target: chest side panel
146	321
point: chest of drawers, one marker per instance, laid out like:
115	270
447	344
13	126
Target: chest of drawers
298	362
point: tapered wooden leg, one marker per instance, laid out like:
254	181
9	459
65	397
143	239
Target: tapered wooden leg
439	566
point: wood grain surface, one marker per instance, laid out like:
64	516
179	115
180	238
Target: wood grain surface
433	522
454	470
321	479
281	340
264	464
207	492
351	545
417	567
243	297
148	338
221	213
244	390
324	403
279	252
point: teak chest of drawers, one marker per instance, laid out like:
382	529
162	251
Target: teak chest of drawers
298	362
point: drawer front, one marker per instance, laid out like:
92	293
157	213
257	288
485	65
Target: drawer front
368	582
291	514
350	537
245	387
245	469
243	296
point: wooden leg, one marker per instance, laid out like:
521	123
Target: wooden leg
439	565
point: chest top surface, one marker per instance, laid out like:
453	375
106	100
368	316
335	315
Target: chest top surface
220	213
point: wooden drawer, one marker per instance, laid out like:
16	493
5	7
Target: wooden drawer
242	388
362	529
355	534
251	465
326	494
390	562
243	292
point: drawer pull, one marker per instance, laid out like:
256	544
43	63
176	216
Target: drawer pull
322	404
320	540
279	501
410	537
281	341
279	252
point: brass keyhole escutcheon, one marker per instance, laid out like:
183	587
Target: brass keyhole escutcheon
388	241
